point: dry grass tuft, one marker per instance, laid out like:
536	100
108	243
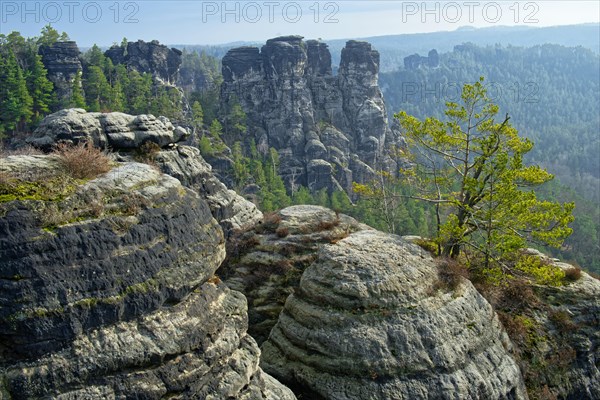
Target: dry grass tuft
83	161
147	152
328	225
573	274
518	296
562	320
282	232
269	223
450	274
21	151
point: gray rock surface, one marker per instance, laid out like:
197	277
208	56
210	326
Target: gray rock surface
266	262
295	104
231	210
151	57
580	301
119	131
114	130
556	330
415	61
62	63
107	291
368	323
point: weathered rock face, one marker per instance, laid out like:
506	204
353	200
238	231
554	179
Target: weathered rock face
119	131
266	262
63	63
106	292
580	301
105	130
416	61
231	210
151	57
368	323
556	330
325	127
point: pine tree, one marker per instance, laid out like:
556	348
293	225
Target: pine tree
77	99
273	193
95	57
97	90
15	101
340	201
138	92
197	114
40	89
240	166
302	196
117	97
48	36
256	166
471	168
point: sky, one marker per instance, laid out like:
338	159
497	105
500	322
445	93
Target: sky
217	22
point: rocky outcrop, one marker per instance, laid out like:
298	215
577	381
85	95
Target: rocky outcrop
575	318
231	210
265	263
63	63
556	330
108	290
118	131
105	130
416	61
326	128
151	57
369	322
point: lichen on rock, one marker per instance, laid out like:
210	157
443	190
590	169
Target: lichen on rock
114	299
366	324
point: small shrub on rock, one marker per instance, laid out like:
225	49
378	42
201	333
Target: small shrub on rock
282	232
328	225
573	274
518	296
269	223
428	245
83	161
542	271
147	152
562	320
450	274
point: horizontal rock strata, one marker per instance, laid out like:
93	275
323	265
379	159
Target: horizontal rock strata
368	323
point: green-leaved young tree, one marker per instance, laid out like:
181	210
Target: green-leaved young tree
471	168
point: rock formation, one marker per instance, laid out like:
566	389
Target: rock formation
151	57
369	322
108	290
556	330
231	210
415	61
63	63
329	130
118	132
580	330
105	130
266	262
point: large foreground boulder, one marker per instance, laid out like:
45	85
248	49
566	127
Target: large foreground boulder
369	322
266	262
107	290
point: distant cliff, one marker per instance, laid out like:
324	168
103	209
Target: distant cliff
151	57
62	60
329	130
